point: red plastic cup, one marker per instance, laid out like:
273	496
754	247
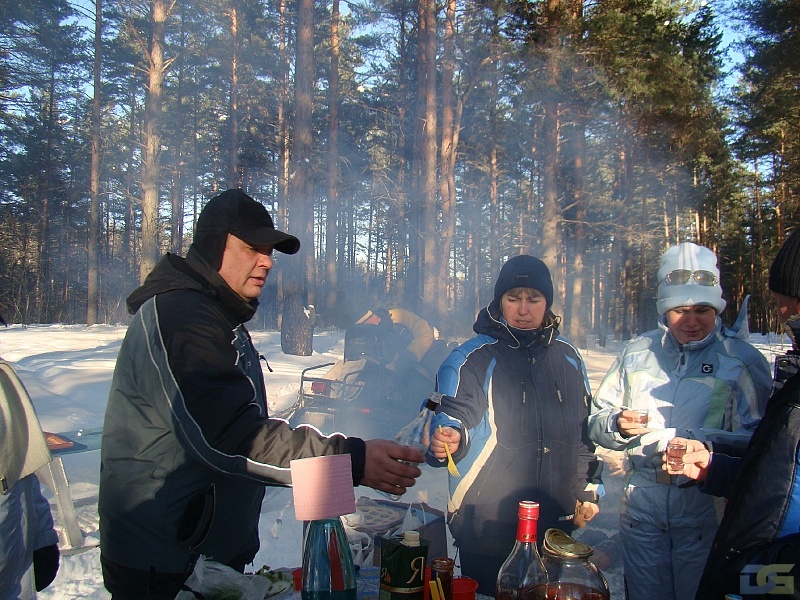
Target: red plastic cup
297	577
464	588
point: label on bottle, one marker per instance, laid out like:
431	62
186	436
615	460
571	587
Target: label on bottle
402	569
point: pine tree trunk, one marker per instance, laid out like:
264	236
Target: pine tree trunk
448	152
551	218
93	278
151	161
296	332
234	171
332	212
579	311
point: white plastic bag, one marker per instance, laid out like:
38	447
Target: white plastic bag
411	521
211	580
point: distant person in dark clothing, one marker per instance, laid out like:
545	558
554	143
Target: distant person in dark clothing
413	333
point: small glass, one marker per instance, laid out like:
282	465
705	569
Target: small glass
675	451
642	416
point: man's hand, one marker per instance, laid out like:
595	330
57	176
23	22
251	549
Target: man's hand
695	461
585	512
447	435
629	425
387	468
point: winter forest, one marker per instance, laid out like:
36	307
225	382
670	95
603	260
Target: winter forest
412	146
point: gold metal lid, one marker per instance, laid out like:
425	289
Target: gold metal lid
558	543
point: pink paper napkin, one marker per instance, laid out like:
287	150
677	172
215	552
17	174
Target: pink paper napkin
323	487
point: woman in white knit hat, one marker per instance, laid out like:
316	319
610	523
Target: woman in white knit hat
695	379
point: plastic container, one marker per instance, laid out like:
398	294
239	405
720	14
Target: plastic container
464	588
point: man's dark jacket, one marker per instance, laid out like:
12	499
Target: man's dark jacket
761	525
188	444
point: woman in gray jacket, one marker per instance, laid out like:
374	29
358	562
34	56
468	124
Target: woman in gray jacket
696	379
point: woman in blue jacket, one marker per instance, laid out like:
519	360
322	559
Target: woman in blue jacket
514	404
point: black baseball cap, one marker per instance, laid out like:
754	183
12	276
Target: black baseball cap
236	213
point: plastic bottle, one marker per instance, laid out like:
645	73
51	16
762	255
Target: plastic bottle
417	434
328	571
523	575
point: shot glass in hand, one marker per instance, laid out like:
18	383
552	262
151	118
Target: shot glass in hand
675	451
642	416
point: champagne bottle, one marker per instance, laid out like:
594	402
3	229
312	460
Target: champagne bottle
328	571
523	576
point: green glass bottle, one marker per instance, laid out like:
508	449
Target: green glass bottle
328	571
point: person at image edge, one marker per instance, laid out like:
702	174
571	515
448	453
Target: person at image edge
756	551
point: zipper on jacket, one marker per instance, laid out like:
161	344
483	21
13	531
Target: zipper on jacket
558	392
524	408
537	405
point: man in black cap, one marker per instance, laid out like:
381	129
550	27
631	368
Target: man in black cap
756	551
188	444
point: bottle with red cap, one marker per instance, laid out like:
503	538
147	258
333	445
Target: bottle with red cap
523	575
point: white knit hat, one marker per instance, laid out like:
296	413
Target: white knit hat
689	276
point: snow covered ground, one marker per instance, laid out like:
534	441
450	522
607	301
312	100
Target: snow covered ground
67	371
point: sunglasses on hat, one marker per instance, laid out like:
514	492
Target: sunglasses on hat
683	276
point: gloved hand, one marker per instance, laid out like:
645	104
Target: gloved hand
45	565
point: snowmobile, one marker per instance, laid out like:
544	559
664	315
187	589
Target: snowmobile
368	393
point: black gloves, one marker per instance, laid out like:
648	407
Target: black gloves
45	566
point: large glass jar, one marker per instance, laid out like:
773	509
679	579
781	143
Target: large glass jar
570	573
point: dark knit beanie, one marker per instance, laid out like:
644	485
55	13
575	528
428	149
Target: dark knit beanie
524	271
784	274
235	212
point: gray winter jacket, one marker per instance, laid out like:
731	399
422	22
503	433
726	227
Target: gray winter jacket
714	389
